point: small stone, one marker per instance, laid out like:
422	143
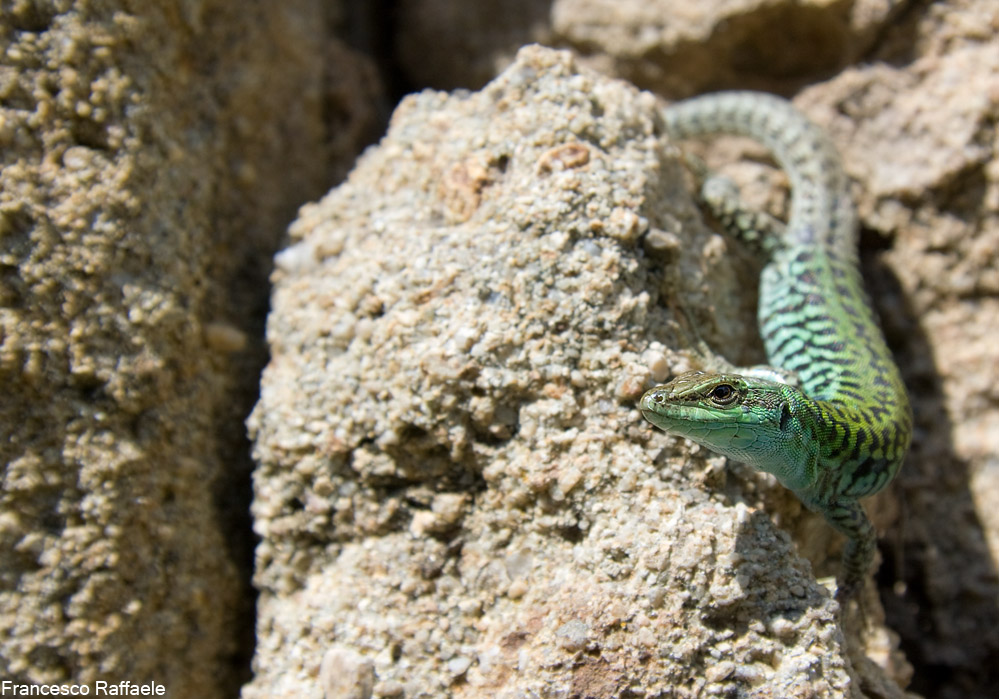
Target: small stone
459	665
573	635
224	338
346	674
657	364
719	672
782	628
662	243
518	588
389	689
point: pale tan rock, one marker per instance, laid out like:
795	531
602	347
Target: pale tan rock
453	480
678	47
918	137
673	47
150	155
346	674
920	140
149	161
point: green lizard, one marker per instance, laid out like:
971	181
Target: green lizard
830	419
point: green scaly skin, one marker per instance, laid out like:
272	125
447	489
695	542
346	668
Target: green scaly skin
830	419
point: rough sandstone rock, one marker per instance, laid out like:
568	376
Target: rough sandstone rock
919	139
677	47
147	171
149	159
673	47
455	490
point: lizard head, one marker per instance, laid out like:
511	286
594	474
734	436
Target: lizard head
745	418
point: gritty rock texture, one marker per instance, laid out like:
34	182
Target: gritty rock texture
920	138
455	493
673	47
677	47
132	137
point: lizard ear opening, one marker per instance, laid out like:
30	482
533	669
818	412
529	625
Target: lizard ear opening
785	416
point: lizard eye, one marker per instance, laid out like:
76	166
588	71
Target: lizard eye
723	394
